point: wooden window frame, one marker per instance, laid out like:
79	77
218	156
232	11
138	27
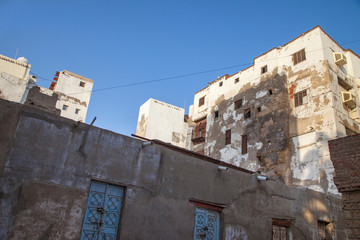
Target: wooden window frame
264	69
299	98
201	101
238	104
228	137
299	56
244	144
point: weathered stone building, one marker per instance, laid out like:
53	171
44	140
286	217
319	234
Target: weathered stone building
277	115
72	91
63	180
345	155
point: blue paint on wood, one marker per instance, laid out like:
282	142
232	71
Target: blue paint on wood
102	212
207	224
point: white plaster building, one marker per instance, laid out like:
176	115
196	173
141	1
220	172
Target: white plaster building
73	90
159	120
15	80
74	93
278	114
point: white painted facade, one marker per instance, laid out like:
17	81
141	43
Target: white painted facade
15	79
73	90
321	117
162	121
74	95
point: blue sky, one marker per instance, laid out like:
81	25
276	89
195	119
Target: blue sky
116	43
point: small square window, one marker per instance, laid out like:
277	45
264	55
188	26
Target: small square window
216	114
259	109
299	56
236	80
77	111
220	84
264	69
238	104
82	84
201	101
299	98
247	113
65	107
228	137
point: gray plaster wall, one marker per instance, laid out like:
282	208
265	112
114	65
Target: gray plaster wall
50	162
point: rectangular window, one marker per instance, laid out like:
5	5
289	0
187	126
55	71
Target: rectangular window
264	69
216	114
199	132
280	229
220	84
65	107
82	84
324	230
77	111
236	80
247	113
238	104
299	98
228	137
201	101
244	144
299	56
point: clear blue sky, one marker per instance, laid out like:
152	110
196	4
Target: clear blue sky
123	42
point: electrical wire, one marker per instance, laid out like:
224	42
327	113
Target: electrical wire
187	75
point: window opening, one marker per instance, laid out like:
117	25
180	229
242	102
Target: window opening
82	84
270	92
299	56
243	144
65	107
220	84
236	80
259	109
201	101
264	69
199	132
238	104
247	113
216	114
228	137
77	111
324	229
299	98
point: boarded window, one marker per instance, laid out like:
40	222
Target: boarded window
299	98
247	113
299	56
264	69
236	80
201	101
243	144
82	84
238	104
228	137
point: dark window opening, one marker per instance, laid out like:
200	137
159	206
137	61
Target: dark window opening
343	84
77	111
201	101
264	69
238	104
65	107
270	92
299	56
228	137
299	98
236	80
244	144
216	113
247	113
82	84
259	109
220	84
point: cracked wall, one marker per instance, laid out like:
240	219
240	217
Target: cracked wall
46	184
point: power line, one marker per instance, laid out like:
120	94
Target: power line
186	75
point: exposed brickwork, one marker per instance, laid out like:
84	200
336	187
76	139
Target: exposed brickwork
345	155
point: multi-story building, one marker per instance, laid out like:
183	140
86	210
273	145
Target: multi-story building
73	91
278	114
